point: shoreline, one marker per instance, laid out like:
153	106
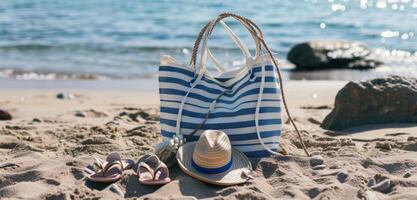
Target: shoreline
146	84
143	85
401	64
19	95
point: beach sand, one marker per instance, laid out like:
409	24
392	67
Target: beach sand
47	155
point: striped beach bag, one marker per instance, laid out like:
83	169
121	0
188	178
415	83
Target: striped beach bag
243	102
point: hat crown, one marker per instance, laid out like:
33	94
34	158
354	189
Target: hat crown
212	150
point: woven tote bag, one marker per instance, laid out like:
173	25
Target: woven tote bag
244	102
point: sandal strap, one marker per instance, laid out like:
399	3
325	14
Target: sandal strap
147	168
161	168
153	161
98	163
111	164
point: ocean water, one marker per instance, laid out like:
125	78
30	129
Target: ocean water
47	39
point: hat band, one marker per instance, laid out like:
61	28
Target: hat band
217	170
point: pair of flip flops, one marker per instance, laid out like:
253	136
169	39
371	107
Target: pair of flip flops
152	171
111	169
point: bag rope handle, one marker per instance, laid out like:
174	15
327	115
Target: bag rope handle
208	28
256	33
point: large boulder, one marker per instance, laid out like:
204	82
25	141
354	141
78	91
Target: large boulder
378	101
4	115
324	54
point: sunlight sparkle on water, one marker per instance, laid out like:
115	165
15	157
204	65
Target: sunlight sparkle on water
338	7
364	4
381	4
185	51
389	33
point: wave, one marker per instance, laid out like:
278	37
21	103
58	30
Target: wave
398	62
64	75
101	47
26	47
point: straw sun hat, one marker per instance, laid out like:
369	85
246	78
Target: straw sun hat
212	159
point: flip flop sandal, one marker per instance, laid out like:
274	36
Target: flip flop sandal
146	167
152	171
100	164
111	170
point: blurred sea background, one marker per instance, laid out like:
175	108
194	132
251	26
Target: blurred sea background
113	39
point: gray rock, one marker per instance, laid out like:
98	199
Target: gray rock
64	95
410	146
334	167
321	54
4	115
342	175
319	167
371	182
407	174
377	101
36	120
383	186
316	160
80	114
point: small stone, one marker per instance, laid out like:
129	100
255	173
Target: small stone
140	120
314	120
383	186
36	120
319	167
4	115
384	146
410	146
407	174
334	167
80	114
63	95
371	182
316	160
342	175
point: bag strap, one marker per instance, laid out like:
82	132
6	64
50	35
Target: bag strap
256	33
211	108
283	95
251	26
206	32
237	41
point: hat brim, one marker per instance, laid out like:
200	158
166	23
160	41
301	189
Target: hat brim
233	176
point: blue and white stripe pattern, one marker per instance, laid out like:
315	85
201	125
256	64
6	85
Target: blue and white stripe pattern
234	112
